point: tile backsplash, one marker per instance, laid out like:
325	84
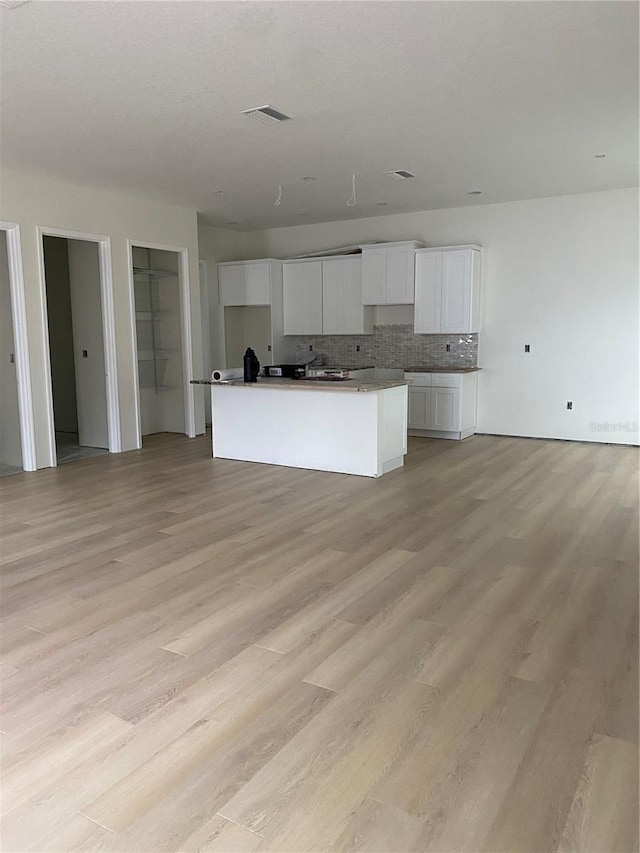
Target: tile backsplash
390	346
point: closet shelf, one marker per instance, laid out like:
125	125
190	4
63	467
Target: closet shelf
151	314
154	355
154	273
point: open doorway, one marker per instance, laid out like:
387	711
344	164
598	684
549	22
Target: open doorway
10	442
76	347
163	392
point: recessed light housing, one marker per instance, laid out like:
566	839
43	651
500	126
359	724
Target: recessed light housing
475	192
267	114
399	174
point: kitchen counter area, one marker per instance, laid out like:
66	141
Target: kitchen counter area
347	426
441	369
307	383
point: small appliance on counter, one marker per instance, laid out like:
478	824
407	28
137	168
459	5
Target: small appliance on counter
285	371
251	366
324	372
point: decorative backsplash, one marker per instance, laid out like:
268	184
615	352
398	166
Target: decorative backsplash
390	346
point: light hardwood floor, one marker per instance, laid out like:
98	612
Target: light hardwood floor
215	655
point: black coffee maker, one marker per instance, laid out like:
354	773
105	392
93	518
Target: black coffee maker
251	366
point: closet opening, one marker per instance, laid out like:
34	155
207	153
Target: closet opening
159	340
76	347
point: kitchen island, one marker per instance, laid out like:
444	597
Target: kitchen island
351	426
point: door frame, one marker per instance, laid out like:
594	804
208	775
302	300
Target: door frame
185	333
21	344
108	335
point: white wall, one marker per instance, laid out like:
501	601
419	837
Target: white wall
10	447
560	274
34	201
86	314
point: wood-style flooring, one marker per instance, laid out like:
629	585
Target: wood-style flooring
211	655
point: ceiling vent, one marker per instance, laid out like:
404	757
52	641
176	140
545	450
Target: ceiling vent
267	114
400	174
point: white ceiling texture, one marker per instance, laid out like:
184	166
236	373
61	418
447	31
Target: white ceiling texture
511	99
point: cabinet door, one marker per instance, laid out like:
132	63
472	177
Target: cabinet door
400	278
456	291
342	308
374	278
258	284
231	285
445	409
428	292
302	298
419	416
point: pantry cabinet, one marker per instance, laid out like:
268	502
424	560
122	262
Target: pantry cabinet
388	273
447	290
324	297
442	405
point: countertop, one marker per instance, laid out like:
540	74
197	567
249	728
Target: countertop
317	384
441	369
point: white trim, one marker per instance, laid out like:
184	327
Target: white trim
185	319
21	344
134	340
108	334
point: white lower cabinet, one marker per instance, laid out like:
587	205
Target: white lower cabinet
419	408
442	405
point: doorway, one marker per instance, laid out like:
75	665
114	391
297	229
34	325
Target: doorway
164	395
10	442
76	350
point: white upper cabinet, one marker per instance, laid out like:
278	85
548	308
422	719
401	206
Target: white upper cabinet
245	282
447	290
302	297
388	273
324	297
428	292
342	310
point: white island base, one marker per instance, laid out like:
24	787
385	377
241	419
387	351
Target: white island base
356	428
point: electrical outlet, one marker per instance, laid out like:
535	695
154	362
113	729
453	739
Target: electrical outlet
527	348
448	347
357	347
310	347
569	405
12	358
85	353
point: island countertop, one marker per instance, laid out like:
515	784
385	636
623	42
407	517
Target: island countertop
311	384
441	369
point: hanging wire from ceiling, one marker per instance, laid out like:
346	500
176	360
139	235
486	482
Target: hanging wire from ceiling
278	201
351	201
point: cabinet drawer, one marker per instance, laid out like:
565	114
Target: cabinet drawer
446	380
422	380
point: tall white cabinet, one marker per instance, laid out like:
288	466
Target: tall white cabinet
447	290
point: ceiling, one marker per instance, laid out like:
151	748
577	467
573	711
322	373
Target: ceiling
513	99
